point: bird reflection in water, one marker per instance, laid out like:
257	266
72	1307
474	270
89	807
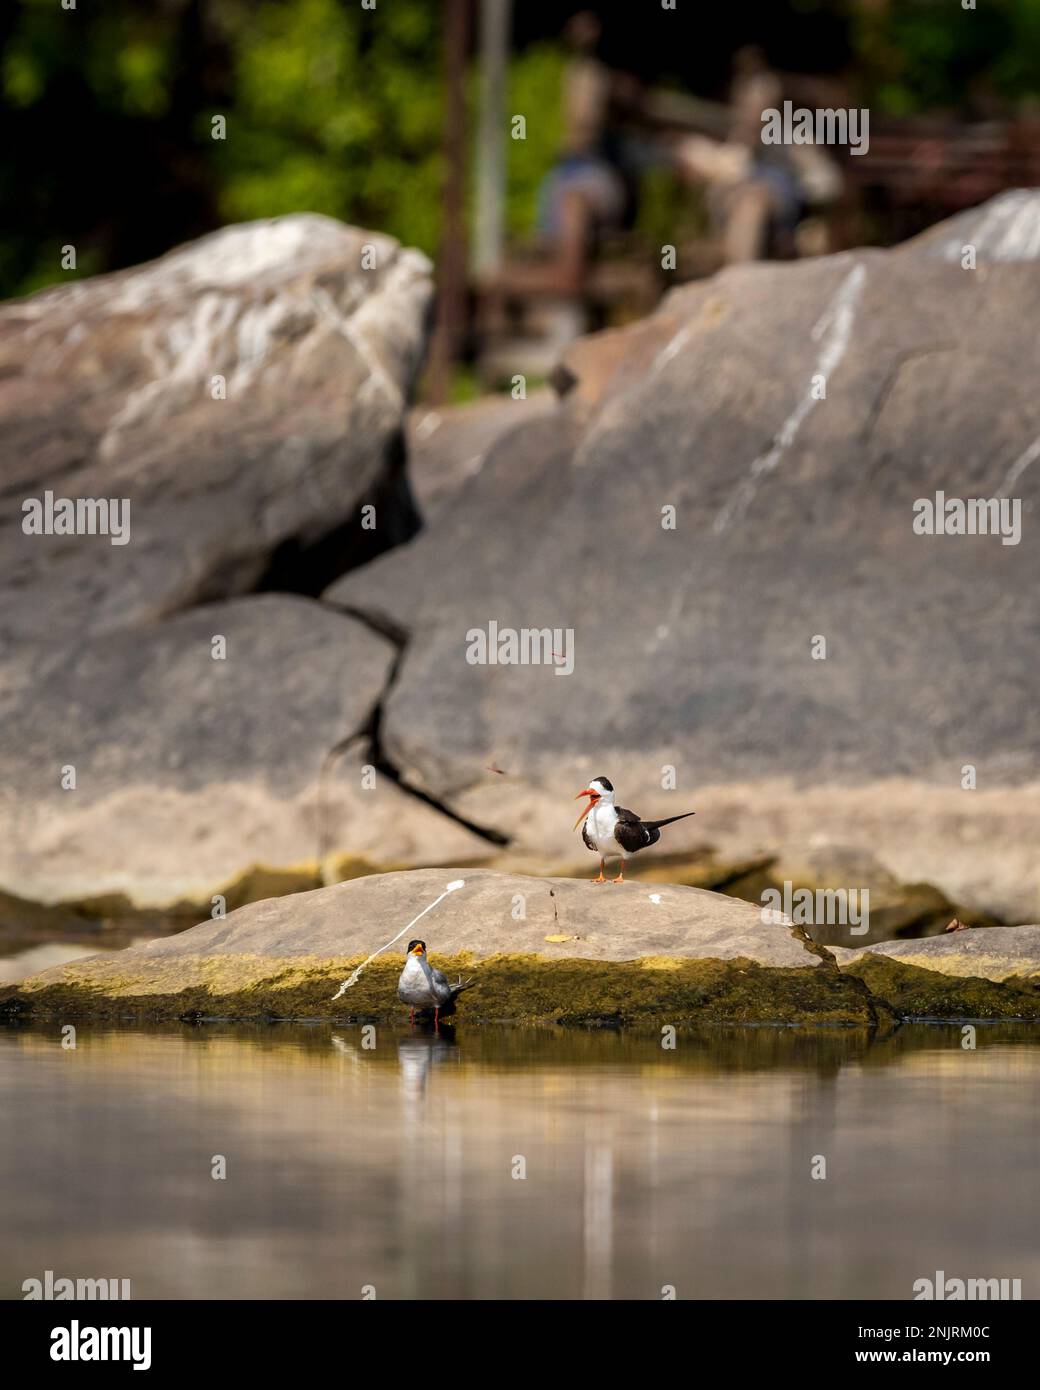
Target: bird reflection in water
424	1048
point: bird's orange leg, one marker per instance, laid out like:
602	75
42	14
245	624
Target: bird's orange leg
601	878
621	873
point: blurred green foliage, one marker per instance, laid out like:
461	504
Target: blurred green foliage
535	89
329	108
334	108
338	110
933	55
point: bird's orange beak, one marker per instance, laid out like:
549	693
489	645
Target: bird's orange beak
593	798
417	950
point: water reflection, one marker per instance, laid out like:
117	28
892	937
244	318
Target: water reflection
518	1163
417	1055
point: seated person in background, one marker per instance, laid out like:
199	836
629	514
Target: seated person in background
587	193
758	193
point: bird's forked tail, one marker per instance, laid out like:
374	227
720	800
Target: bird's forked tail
657	824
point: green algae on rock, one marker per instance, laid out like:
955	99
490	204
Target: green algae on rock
914	992
992	972
540	949
516	988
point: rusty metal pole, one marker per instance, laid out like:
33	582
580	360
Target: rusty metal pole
489	227
450	323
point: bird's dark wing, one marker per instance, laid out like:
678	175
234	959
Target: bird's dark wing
585	836
440	988
631	833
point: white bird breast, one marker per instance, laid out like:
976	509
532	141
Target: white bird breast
414	987
600	824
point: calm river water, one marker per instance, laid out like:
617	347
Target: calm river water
396	1168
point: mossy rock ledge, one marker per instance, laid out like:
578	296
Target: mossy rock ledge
560	948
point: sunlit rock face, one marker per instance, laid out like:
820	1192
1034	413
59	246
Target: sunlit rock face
995	953
784	635
1007	228
241	393
175	437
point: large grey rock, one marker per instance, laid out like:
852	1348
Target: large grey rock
106	391
194	773
190	771
989	953
448	445
794	519
492	914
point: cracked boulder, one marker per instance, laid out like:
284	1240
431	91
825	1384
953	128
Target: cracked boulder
157	768
447	445
716	524
232	405
239	396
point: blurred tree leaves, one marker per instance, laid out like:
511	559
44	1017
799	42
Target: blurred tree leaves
337	110
932	55
536	93
333	108
329	107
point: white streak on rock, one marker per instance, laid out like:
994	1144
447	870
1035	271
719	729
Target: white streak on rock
237	257
1019	467
672	348
835	328
358	340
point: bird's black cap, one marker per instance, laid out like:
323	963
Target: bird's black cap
606	782
412	945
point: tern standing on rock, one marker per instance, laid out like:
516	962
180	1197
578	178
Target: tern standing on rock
422	987
612	832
